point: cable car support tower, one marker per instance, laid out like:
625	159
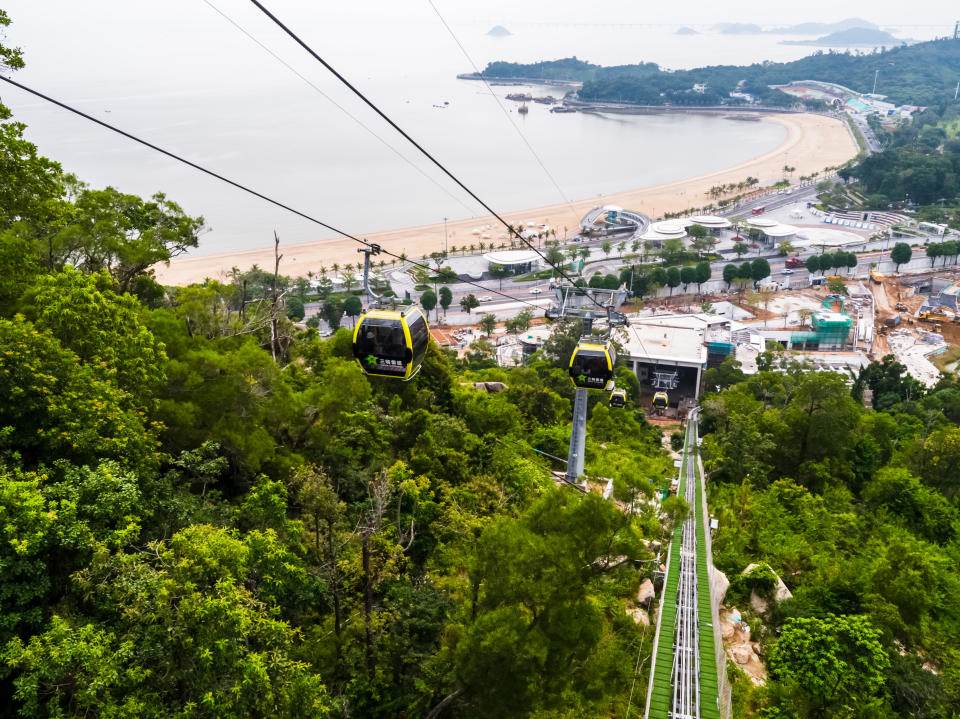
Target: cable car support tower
587	304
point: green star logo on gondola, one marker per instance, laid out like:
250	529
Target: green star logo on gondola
370	360
581	378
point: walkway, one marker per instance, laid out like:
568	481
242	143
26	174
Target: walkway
684	680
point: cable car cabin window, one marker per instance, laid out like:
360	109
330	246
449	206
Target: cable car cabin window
381	348
590	369
419	338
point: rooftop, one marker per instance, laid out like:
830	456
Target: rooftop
512	257
669	338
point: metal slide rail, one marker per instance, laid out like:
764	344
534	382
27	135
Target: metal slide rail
684	674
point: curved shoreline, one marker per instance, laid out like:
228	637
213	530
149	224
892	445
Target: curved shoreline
813	142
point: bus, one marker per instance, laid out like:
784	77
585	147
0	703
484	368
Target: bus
758	210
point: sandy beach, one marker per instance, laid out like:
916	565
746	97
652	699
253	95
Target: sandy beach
813	142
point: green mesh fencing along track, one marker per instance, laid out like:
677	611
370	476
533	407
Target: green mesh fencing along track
661	691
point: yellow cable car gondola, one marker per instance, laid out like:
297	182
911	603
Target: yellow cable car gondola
391	343
591	366
618	397
660	401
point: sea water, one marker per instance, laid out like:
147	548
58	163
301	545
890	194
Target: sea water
178	74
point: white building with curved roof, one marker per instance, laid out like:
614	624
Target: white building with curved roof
517	261
711	222
664	230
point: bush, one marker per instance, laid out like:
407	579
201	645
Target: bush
676	441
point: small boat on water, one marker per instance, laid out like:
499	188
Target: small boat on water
562	108
523	109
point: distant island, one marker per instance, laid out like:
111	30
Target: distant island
926	75
819	28
847	38
738	28
498	31
686	31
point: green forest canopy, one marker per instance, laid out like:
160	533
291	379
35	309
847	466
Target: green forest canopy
921	74
192	528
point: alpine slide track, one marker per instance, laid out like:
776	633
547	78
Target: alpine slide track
688	674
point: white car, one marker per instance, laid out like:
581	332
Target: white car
787	271
484	298
534	291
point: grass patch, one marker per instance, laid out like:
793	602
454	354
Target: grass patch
952	354
536	276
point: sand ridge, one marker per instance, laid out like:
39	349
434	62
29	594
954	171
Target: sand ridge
813	142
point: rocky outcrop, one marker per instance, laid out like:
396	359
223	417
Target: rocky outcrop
646	593
491	387
745	653
639	616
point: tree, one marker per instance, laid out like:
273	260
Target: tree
332	312
123	234
901	254
498	272
555	257
606	247
759	269
837	286
176	627
673	278
740	249
785	247
469	302
349	280
52	405
428	300
730	273
488	323
703	274
353	307
688	275
294	308
446	299
672	251
812	263
827	665
103	328
700	236
850	261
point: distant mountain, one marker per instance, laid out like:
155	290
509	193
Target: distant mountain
738	28
498	31
686	31
817	28
847	38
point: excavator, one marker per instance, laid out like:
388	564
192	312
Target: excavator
939	314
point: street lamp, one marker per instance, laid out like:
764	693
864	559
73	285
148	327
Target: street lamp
444	235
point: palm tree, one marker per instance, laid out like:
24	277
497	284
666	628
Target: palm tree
323	270
336	268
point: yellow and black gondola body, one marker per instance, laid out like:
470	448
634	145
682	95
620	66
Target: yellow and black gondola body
591	365
618	397
660	401
391	343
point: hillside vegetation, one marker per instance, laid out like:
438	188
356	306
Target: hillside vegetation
208	511
921	74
